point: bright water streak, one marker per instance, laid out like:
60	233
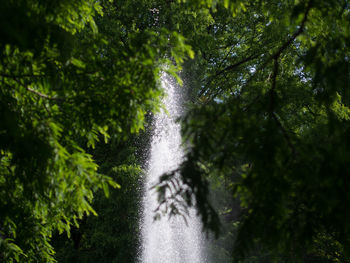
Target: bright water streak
167	241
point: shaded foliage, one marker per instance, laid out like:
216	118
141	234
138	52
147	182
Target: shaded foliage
113	235
270	114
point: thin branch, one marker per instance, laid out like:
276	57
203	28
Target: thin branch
255	100
278	53
44	95
234	66
274	83
226	56
285	134
296	33
47	110
274	56
231	67
22	76
42	75
280	50
272	105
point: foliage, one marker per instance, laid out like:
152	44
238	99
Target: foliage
72	73
271	115
113	235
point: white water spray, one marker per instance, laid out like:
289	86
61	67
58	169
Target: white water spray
168	240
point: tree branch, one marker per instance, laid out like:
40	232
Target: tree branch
272	105
273	85
285	134
296	33
44	95
21	76
274	56
280	50
232	67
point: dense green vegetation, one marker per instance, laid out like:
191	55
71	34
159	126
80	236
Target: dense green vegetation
267	125
72	73
271	118
113	235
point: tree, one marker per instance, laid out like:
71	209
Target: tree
72	73
271	115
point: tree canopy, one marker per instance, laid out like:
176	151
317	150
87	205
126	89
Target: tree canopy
72	73
269	114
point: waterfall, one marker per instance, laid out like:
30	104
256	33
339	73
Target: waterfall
167	240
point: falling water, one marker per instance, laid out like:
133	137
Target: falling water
167	240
